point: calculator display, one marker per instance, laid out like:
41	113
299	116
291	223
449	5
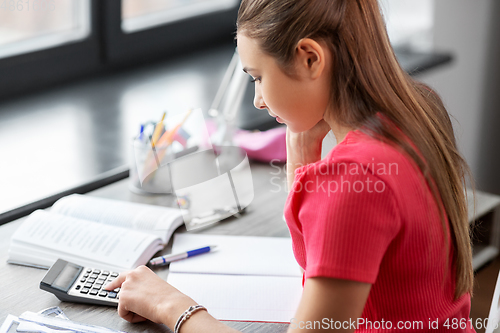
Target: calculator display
66	277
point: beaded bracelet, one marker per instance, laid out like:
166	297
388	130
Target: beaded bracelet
185	316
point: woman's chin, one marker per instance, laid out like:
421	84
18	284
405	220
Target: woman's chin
295	129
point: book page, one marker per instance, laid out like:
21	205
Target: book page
161	221
47	233
239	297
243	255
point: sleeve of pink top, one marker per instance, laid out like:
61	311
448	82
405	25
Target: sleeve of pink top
347	223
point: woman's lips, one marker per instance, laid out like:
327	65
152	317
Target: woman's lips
278	119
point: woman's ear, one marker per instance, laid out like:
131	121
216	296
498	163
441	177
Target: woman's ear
310	58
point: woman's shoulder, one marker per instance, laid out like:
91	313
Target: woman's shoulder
359	150
363	148
363	160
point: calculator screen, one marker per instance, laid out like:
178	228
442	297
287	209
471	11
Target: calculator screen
66	277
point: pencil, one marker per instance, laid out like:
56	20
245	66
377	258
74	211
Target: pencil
158	130
165	140
168	137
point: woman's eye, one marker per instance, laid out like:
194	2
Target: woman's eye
256	79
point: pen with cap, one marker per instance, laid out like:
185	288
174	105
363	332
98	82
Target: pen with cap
163	260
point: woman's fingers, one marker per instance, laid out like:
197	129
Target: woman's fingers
116	283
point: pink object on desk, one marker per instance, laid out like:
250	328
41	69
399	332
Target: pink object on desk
264	146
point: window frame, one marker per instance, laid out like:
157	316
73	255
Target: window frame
108	48
160	42
32	71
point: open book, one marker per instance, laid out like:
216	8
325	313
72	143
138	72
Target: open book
244	279
94	232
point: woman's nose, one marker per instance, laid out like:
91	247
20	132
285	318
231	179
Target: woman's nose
258	101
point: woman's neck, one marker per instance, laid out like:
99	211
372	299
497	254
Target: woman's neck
338	130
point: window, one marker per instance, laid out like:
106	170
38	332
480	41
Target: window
47	42
32	25
140	15
147	30
409	23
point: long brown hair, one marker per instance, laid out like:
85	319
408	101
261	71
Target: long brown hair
367	79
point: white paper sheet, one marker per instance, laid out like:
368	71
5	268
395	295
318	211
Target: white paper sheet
242	298
241	255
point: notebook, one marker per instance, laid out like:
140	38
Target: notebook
244	279
94	232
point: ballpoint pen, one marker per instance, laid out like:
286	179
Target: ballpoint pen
163	260
141	133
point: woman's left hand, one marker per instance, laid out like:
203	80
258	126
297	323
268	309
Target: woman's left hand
304	148
144	295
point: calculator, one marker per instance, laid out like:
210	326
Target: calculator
74	283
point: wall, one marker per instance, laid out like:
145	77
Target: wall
469	86
489	146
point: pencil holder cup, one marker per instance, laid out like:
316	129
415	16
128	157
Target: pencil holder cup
149	168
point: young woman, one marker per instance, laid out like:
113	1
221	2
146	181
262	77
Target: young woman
379	225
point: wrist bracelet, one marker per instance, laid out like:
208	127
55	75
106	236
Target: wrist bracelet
185	316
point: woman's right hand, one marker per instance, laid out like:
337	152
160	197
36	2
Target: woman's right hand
144	295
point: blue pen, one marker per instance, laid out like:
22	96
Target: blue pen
163	260
141	132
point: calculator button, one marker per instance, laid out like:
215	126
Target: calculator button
114	274
85	290
105	273
85	276
98	285
97	271
103	293
88	285
91	280
94	291
83	280
94	276
117	290
112	294
89	270
78	287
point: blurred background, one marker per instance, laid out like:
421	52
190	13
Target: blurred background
78	77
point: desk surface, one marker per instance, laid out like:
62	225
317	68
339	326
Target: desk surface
20	291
